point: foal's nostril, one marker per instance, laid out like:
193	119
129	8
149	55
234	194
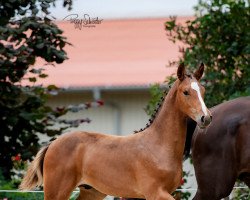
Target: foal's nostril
203	119
208	119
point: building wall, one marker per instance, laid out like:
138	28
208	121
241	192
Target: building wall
122	113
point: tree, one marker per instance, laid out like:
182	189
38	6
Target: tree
27	32
218	36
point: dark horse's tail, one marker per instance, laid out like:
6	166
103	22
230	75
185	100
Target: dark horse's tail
191	125
34	175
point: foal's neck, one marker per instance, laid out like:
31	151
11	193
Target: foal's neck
169	126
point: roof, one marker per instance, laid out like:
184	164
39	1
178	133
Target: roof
115	53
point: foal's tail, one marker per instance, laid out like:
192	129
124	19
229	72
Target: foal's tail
34	175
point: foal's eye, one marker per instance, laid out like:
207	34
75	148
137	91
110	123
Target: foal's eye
185	93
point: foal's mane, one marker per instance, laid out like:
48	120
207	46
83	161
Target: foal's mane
156	110
170	87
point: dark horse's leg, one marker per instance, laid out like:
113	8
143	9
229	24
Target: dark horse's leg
213	187
215	175
215	164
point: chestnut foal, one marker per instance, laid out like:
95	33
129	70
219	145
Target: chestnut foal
143	165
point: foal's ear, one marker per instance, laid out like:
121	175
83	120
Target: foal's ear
181	72
199	72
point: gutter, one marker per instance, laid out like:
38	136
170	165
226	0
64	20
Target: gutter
109	88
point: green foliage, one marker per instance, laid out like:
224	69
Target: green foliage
22	195
9	187
26	33
156	94
183	195
29	195
241	193
219	36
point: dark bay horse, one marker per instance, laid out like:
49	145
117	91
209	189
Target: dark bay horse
147	164
221	152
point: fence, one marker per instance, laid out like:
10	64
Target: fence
38	195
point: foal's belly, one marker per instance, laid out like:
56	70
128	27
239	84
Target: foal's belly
113	176
112	181
110	172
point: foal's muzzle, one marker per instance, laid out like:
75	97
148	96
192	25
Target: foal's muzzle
205	121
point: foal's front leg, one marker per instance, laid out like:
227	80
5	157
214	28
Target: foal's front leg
160	195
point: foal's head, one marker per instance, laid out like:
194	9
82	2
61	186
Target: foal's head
190	94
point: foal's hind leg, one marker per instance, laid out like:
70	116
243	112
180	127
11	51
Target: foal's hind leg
90	194
58	181
56	188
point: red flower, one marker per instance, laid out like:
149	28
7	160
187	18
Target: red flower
17	157
100	102
182	181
